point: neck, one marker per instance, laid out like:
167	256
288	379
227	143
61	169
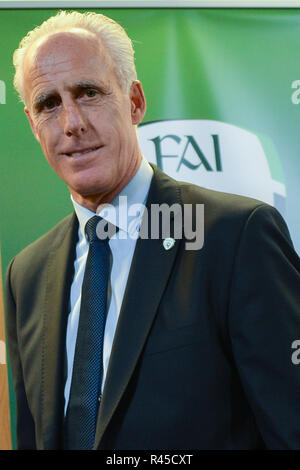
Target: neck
93	201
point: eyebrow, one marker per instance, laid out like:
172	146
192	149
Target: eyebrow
87	84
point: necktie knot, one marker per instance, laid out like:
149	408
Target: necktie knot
91	228
97	229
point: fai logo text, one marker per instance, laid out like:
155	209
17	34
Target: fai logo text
189	152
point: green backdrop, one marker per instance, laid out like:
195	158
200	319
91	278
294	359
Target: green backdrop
230	65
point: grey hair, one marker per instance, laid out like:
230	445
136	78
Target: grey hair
112	35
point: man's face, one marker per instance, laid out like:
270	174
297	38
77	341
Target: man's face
78	112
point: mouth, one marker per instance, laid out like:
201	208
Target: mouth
79	153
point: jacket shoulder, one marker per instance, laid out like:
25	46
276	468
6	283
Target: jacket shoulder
217	200
222	210
38	250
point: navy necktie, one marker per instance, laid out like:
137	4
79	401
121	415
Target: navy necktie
82	411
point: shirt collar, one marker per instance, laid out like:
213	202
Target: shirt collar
126	209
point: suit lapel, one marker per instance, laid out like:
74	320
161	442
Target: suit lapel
149	273
59	277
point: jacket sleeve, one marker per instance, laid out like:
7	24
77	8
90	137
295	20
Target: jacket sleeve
264	326
24	422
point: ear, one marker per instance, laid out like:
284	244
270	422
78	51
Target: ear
138	102
33	128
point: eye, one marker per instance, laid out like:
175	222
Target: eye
91	93
49	104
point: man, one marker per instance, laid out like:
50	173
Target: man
197	347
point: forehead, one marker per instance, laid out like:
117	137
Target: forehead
65	56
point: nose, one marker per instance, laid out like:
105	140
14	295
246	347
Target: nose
74	122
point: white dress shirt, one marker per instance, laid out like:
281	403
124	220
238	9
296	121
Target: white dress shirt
122	246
